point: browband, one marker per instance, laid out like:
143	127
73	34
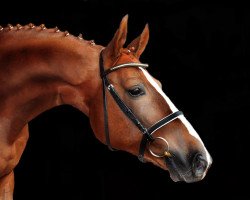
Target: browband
132	64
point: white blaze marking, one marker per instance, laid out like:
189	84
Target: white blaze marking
174	109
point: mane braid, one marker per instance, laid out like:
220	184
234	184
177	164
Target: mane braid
41	27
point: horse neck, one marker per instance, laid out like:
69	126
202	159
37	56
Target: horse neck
39	73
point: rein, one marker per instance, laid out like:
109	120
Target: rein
147	133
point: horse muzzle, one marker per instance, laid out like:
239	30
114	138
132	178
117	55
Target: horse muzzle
188	171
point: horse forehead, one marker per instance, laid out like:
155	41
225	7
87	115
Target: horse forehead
128	72
126	57
132	74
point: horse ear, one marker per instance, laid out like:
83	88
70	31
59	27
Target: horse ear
139	44
113	49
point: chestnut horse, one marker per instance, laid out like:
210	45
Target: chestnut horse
42	68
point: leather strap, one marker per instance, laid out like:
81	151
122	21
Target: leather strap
105	111
163	122
147	133
106	124
126	110
123	66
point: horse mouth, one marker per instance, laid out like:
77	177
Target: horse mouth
175	172
175	176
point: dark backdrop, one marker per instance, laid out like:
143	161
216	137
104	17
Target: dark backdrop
198	50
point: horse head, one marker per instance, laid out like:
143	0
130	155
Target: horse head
138	117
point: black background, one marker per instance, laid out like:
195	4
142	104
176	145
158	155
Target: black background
199	51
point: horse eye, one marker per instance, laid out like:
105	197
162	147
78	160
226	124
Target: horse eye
136	91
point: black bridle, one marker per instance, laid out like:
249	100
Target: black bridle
146	132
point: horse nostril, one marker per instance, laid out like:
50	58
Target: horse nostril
199	165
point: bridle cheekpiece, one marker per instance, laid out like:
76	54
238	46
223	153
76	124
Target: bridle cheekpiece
147	133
